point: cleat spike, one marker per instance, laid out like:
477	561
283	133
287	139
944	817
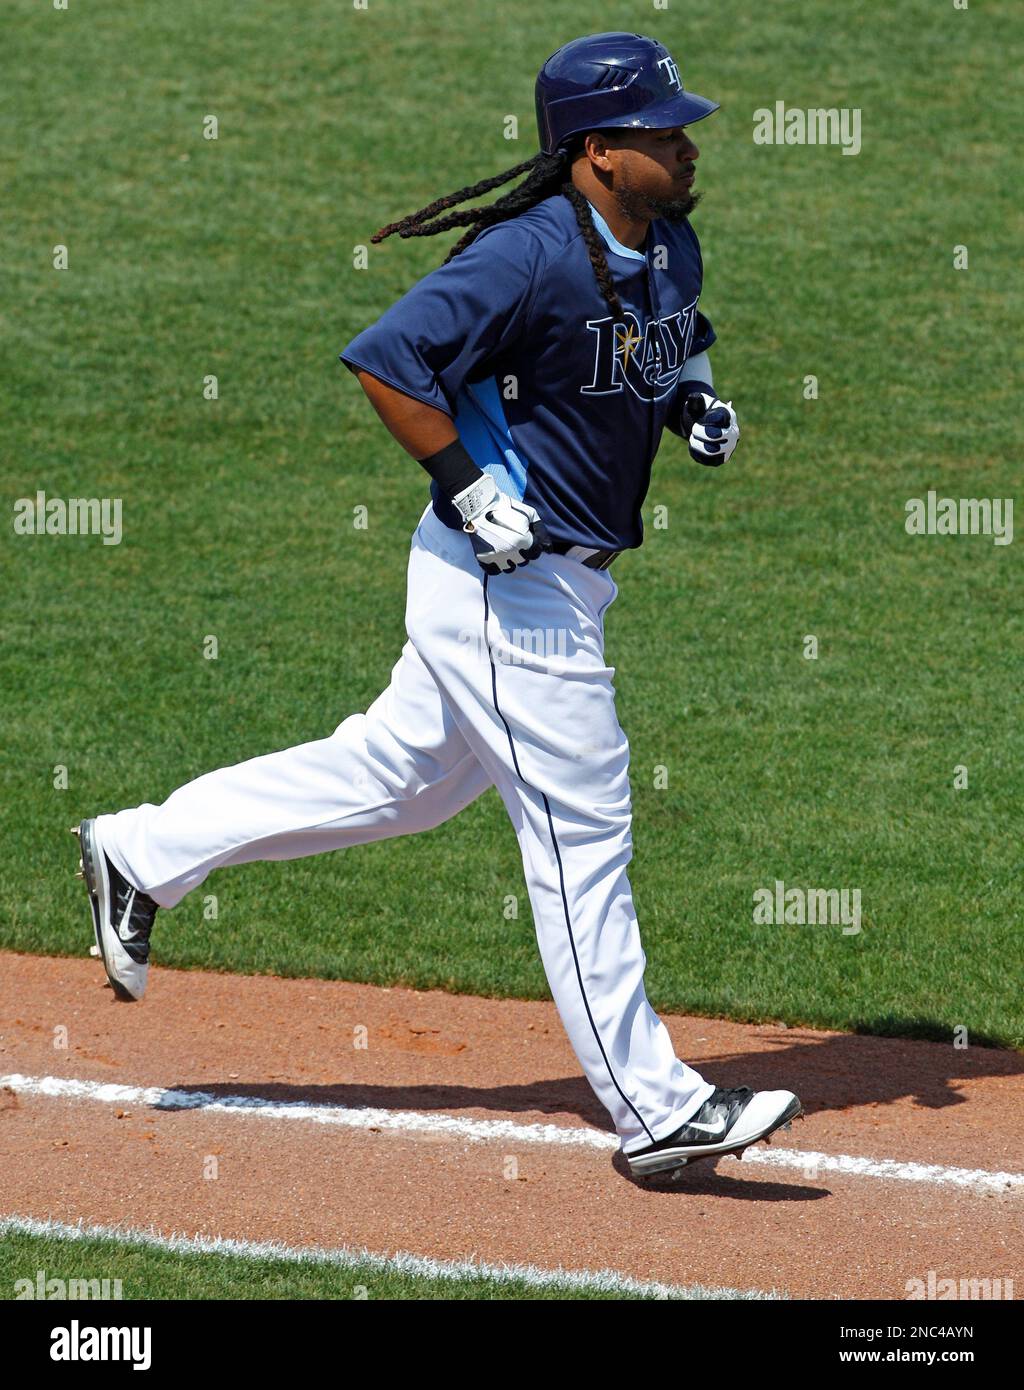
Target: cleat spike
79	873
74	830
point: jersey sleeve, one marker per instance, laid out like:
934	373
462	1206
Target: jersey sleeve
453	320
695	375
703	335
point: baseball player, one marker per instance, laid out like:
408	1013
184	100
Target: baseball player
532	376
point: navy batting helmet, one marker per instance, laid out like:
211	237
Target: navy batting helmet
612	80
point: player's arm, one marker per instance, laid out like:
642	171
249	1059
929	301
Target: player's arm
505	533
695	377
421	429
425	347
426	432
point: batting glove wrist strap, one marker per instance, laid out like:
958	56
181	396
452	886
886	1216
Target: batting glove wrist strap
681	408
474	500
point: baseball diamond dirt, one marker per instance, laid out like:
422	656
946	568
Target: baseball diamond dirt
459	1127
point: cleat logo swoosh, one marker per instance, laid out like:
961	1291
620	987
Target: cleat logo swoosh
712	1131
124	927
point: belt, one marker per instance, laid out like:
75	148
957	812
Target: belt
587	555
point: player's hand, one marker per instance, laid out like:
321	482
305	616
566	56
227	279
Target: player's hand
713	428
505	533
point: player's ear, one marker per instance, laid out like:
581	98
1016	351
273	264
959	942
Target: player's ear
595	146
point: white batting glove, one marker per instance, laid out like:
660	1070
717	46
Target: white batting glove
714	431
505	533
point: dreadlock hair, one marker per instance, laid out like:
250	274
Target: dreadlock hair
547	174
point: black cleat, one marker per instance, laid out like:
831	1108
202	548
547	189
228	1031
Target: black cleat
729	1121
122	917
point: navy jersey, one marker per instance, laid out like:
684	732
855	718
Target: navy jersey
561	405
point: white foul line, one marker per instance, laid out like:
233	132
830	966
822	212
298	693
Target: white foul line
810	1163
347	1257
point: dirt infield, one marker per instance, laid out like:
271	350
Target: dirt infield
459	1127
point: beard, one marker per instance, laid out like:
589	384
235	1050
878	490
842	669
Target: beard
644	208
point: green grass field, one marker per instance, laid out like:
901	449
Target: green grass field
147	1271
190	257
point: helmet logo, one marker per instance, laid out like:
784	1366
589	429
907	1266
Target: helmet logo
671	71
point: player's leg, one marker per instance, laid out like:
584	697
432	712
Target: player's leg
520	658
400	767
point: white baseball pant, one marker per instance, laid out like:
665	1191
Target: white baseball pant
502	682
